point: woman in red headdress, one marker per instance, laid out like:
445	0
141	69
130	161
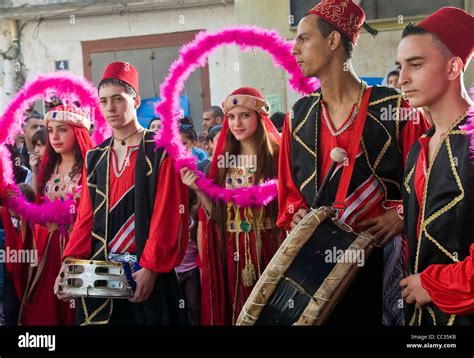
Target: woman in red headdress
240	242
60	178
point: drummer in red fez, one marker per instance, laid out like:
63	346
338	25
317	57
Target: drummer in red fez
439	185
143	213
329	118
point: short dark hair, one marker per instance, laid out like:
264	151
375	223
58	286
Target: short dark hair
116	82
186	127
41	135
34	115
216	111
214	131
393	73
326	28
152	120
278	119
412	29
202	136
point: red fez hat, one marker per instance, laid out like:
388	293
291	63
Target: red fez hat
455	28
346	16
122	71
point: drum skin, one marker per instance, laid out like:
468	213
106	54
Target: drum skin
303	283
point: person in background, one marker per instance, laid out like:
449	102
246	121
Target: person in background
189	138
31	125
278	119
392	79
211	117
39	143
155	124
202	141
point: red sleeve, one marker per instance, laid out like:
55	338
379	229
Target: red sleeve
290	199
412	130
80	239
168	237
451	287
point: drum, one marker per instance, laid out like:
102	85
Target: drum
92	278
309	274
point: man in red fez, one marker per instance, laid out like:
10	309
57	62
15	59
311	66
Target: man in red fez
376	127
439	185
133	208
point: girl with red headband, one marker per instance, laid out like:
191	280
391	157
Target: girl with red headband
242	240
60	178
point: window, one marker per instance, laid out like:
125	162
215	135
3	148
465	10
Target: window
381	9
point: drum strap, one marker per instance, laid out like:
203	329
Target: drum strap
339	202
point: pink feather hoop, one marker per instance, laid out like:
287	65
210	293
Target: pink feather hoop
194	55
69	88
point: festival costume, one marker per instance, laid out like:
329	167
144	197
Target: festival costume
40	306
234	256
439	201
137	209
390	128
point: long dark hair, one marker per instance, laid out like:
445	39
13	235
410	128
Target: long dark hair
55	159
267	151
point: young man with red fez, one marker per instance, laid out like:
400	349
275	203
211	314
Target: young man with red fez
439	183
376	127
133	204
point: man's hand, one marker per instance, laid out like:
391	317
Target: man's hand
145	280
57	282
384	227
413	291
300	214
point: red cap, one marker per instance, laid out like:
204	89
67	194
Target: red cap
122	71
346	16
455	28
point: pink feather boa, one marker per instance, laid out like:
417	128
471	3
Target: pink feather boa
194	55
69	88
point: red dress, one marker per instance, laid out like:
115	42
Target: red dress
40	306
250	241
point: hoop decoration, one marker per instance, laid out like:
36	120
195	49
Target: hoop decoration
69	88
194	55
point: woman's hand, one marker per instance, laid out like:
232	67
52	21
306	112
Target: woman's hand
189	178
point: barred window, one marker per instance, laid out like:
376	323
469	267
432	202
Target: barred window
381	9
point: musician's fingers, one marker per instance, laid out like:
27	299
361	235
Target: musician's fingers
375	230
410	299
368	222
405	293
419	305
404	282
303	211
138	294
